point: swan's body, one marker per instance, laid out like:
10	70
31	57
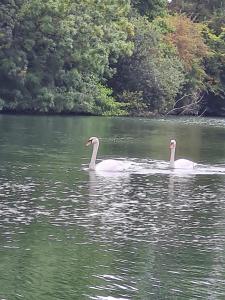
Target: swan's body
180	163
108	165
184	164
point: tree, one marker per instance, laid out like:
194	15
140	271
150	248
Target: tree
60	50
215	69
150	8
187	38
198	9
153	70
212	13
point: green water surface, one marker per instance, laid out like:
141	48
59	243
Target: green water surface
152	233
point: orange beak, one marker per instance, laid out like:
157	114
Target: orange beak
88	143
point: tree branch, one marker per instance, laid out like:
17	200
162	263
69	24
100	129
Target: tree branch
185	107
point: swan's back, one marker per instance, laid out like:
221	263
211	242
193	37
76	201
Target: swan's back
184	164
111	165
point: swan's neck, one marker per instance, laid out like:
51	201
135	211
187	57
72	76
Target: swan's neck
172	157
93	157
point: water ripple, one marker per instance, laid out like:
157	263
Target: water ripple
152	233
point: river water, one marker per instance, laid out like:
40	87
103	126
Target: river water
148	233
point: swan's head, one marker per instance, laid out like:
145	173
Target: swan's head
92	141
172	144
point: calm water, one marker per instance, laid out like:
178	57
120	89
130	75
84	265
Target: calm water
152	233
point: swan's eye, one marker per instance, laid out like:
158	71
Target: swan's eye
89	142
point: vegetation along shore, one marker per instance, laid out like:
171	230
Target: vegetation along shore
121	57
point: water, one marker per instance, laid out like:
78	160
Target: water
152	233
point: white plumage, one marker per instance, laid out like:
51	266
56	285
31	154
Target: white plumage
180	163
108	165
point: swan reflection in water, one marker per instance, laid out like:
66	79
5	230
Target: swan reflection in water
109	202
180	182
129	204
103	184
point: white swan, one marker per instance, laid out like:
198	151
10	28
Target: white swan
180	163
108	165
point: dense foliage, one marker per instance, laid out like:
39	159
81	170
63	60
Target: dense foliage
137	57
55	55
